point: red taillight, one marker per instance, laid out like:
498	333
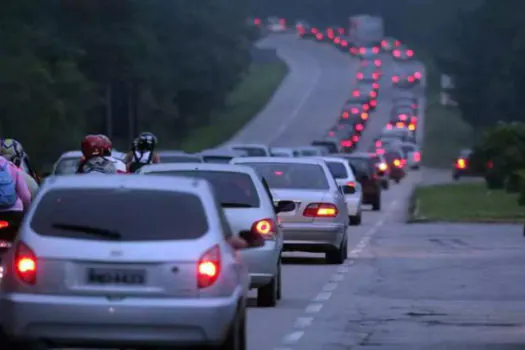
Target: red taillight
25	263
375	76
395	79
397	163
360	75
355	110
345	115
417	156
337	40
377	63
402	117
417	75
319	36
321	210
356	93
264	227
379	144
282	21
355	138
373	103
410	53
375	49
3	224
315	30
366	107
461	163
353	51
364	116
373	94
359	127
397	53
351	184
384	43
257	21
380	151
411	79
341	31
375	86
346	143
331	133
344	43
400	125
397	43
490	164
362	51
209	267
389	126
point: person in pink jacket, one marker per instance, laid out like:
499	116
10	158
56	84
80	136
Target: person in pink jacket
23	194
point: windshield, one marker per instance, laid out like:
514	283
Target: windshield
123	214
251	151
67	166
337	169
231	188
217	159
292	175
179	159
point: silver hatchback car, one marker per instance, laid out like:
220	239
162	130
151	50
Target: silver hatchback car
248	205
124	261
320	219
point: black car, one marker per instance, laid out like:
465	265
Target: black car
368	73
466	165
396	161
365	171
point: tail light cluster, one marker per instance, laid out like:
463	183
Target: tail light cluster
375	49
410	53
355	138
337	40
395	79
382	167
25	263
319	36
378	63
397	53
346	143
264	227
398	163
345	115
360	76
461	163
321	210
359	127
364	116
209	267
417	156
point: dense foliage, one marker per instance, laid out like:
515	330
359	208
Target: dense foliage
73	66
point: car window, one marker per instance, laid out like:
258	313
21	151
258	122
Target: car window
280	154
232	189
120	214
67	166
309	152
179	159
330	146
251	151
361	165
217	159
292	175
337	169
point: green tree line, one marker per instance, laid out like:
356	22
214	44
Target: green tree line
68	67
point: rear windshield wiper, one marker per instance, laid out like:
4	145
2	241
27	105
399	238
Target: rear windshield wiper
89	230
236	205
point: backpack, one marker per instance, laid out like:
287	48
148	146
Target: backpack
8	195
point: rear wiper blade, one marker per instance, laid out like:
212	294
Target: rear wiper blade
236	205
89	230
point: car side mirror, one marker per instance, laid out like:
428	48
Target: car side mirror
252	238
284	206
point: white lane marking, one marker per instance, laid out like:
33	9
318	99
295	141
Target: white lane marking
330	287
323	296
343	269
303	322
313	308
337	278
293	337
285	124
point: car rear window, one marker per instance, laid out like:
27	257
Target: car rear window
217	159
120	215
251	151
280	154
67	166
232	189
337	169
292	175
330	146
309	152
179	159
362	165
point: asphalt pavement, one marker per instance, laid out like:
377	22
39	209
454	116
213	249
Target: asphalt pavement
417	286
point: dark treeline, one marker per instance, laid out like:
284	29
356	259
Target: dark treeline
164	66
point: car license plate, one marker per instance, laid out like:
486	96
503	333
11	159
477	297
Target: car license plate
104	276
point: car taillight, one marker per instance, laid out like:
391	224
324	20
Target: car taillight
359	127
395	79
410	53
397	163
397	43
25	263
400	125
346	143
356	93
344	43
384	43
461	163
282	21
354	110
375	86
355	138
380	151
331	133
360	75
490	164
341	31
321	210
411	127
373	103
209	267
375	49
382	167
375	76
319	36
411	79
353	50
373	94
364	116
3	224
315	30
350	187
389	126
417	75
417	156
403	117
377	63
397	53
337	40
257	21
379	143
345	115
264	227
362	51
366	107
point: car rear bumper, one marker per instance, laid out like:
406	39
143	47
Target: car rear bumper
262	263
312	236
74	321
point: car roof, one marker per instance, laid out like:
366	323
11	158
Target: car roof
308	148
330	159
198	166
173	152
357	155
222	152
300	160
252	145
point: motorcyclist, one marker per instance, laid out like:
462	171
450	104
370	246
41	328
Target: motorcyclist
15	197
108	149
94	150
13	151
142	152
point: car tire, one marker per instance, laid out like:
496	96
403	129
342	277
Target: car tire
267	295
376	206
385	185
236	337
355	220
337	256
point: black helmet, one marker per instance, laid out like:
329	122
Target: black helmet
145	142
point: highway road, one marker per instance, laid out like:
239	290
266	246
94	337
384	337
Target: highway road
419	286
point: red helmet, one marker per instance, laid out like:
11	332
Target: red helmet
108	145
92	145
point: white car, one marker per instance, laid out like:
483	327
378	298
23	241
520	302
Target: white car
413	155
345	178
275	24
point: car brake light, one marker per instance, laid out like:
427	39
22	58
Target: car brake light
395	79
397	163
355	110
264	227
364	116
350	187
375	76
341	31
417	75
380	151
417	156
359	127
25	263
355	138
490	164
373	94
382	167
360	76
315	30
375	49
389	126
3	224
346	143
375	86
411	79
410	53
411	127
321	210
384	43
337	40
345	115
331	133
379	143
362	51
403	117
344	43
373	103
353	50
209	267
377	63
356	93
366	107
257	21
397	43
400	125
397	53
461	163
319	36
282	21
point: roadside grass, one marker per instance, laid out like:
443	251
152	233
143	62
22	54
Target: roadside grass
250	96
465	202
